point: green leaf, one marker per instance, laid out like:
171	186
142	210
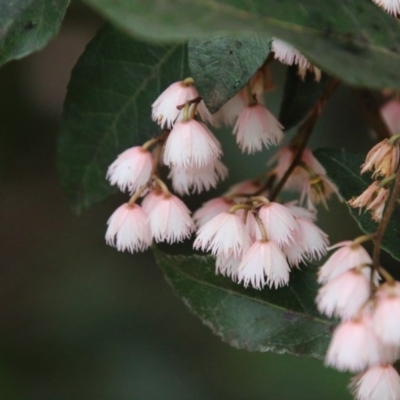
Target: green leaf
27	26
108	108
223	65
300	96
281	321
353	40
344	170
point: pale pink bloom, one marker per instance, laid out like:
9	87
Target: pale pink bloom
264	263
256	127
131	170
150	200
227	266
250	222
299	176
191	145
316	190
365	197
204	113
287	54
391	114
225	234
164	109
231	109
344	295
380	382
390	6
294	253
128	229
346	257
354	347
211	209
170	219
383	159
386	316
196	180
313	240
279	222
378	204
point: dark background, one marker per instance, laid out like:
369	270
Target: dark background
78	320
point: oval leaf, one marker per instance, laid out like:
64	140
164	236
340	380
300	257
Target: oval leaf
353	40
281	321
299	96
27	26
108	108
223	65
344	170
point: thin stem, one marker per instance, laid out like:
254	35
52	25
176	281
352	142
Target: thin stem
391	205
388	277
303	135
161	185
387	181
196	100
361	239
137	194
237	207
264	236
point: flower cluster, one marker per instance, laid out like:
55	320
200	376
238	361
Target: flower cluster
257	241
368	338
382	160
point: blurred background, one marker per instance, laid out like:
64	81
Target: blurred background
79	320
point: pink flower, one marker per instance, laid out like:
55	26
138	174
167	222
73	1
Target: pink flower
150	200
383	159
128	229
294	253
279	222
380	382
131	170
287	54
170	219
390	6
354	347
344	295
211	209
164	109
264	263
377	205
227	266
231	109
366	197
313	240
386	316
196	180
299	176
256	127
317	189
348	256
191	145
391	114
224	235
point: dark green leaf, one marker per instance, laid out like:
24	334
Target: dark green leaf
344	170
223	65
353	40
27	26
299	96
108	108
281	321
